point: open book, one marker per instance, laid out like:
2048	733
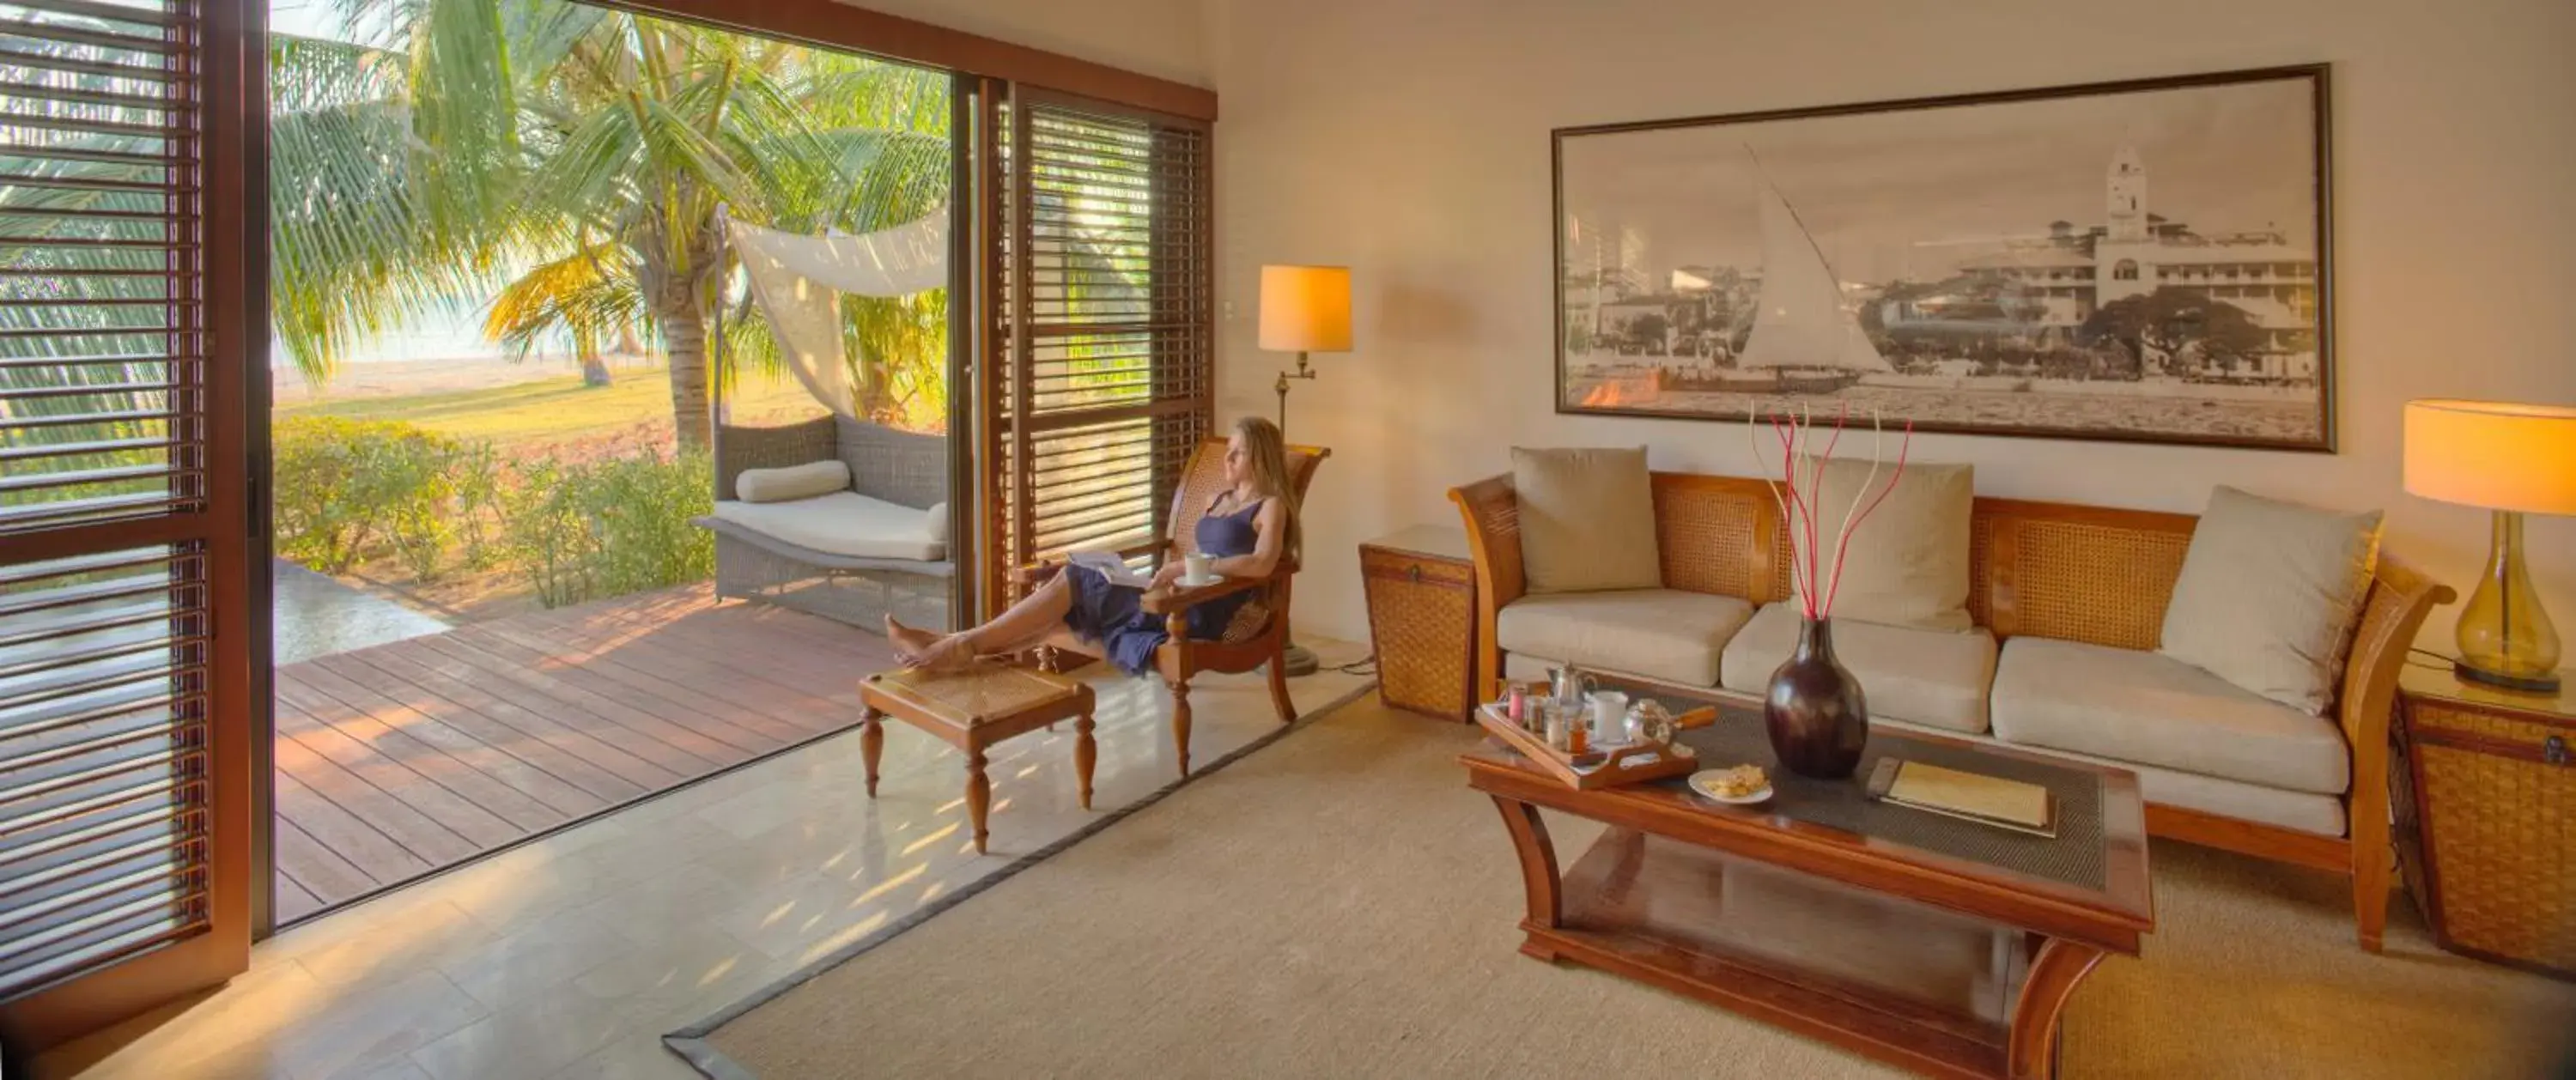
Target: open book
1111	567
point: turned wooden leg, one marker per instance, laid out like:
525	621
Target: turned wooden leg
1084	754
871	745
2371	870
979	795
1538	869
1279	680
1181	723
2054	973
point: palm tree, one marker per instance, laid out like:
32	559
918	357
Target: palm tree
569	162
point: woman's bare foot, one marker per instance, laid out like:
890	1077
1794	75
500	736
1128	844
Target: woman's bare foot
928	651
908	643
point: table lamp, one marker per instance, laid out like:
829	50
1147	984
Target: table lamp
1304	309
2513	460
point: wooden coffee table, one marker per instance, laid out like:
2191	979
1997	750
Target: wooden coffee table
971	710
1938	945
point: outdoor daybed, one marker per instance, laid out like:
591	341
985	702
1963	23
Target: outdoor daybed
854	553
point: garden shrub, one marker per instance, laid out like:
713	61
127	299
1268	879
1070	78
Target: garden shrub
585	530
343	485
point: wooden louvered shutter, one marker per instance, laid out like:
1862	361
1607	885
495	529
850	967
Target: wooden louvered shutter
1106	322
125	288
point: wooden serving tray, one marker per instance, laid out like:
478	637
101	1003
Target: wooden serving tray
1619	766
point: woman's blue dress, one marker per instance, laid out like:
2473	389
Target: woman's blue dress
1112	615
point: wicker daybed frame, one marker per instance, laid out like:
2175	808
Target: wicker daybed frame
900	467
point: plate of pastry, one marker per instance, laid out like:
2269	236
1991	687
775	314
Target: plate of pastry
1743	785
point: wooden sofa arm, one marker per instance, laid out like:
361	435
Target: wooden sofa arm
1492	513
2399	600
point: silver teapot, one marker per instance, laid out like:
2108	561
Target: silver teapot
1568	684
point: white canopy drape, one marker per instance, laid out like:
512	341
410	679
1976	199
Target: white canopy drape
798	282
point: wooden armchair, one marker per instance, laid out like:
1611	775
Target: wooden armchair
1258	633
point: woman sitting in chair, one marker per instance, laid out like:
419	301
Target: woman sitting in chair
1248	529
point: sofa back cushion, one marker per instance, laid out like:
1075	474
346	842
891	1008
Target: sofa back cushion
1907	563
1587	519
2269	593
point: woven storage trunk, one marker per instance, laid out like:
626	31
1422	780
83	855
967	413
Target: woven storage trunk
1422	619
2486	805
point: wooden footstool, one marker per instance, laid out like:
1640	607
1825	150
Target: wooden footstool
973	709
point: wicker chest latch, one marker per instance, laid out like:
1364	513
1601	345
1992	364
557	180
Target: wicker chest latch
2555	750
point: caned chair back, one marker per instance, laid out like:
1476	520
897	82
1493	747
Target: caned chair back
1203	479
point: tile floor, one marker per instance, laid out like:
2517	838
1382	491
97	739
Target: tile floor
571	956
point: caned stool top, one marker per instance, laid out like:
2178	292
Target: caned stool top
978	695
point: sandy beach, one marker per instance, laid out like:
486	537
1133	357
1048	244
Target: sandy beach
397	378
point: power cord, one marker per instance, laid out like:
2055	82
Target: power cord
1366	666
2447	661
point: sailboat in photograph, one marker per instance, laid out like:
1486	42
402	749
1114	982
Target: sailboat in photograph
1804	341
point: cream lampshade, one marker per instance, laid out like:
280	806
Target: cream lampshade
1306	309
2512	460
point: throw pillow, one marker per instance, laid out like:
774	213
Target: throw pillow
792	482
1587	519
2268	595
1907	563
938	513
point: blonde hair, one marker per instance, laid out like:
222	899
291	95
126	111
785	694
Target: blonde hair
1267	452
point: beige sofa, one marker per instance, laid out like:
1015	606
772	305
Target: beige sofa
2068	603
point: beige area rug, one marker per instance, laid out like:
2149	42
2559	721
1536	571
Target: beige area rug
1340	904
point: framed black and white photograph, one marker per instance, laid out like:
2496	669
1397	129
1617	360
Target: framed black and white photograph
2138	261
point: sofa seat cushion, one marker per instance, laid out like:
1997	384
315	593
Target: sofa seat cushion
1663	634
1930	677
2300	811
2141	707
841	523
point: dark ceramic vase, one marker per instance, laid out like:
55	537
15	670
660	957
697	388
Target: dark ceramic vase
1814	711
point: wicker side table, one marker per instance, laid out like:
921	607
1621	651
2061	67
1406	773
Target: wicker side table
2484	789
1421	587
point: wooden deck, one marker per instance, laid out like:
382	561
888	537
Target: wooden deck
400	759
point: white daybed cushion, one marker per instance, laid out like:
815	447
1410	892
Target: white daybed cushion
841	523
792	482
1930	677
938	515
1663	634
2143	707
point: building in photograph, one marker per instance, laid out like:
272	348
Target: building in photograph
2070	275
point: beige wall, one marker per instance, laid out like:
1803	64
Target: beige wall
1409	139
1162	38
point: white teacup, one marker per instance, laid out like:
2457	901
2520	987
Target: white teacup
1609	717
1197	567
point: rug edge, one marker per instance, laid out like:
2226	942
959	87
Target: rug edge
693	1043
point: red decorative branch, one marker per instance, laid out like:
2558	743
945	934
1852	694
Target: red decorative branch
1835	585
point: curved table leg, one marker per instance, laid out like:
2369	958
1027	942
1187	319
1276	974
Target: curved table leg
1538	869
2054	973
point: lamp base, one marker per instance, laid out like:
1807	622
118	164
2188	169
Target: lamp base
1297	662
2545	684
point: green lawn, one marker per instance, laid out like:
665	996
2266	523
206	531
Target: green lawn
556	410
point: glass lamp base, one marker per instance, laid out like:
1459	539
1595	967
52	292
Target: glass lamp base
2546	684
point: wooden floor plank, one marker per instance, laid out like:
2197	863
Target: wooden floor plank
315	868
482	760
560	752
602	745
292	900
374	745
673	746
570	667
332	824
688	677
401	758
797	649
747	708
